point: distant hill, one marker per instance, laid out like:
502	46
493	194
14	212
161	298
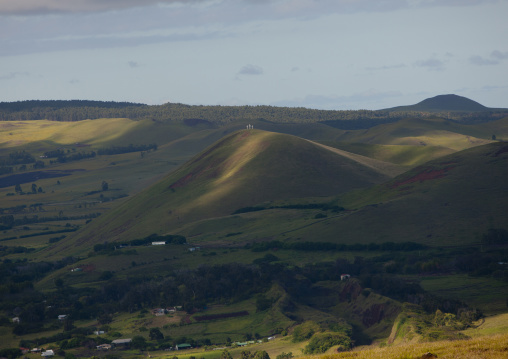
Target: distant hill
243	169
443	103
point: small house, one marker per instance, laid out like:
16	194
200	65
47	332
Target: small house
158	312
48	353
125	343
345	276
104	347
99	332
161	243
183	346
15	320
62	316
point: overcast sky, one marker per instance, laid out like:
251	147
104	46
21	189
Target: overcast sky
326	54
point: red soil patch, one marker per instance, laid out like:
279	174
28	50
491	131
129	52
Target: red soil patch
425	175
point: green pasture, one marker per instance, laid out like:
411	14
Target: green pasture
496	324
488	294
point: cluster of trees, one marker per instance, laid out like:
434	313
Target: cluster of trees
17	158
77	156
126	149
9	221
168	238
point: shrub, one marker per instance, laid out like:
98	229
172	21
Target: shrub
305	331
321	342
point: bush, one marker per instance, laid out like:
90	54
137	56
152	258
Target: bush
305	331
321	342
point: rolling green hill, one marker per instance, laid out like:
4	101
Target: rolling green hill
243	169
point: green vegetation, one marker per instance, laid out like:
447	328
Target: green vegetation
265	240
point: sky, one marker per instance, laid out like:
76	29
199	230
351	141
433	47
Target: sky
323	54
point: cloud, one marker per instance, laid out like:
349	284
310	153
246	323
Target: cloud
431	64
480	61
387	67
99	42
495	58
251	70
44	7
499	55
13	75
133	64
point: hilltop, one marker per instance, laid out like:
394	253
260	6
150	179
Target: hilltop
443	103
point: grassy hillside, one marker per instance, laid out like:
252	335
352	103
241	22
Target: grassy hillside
241	170
450	201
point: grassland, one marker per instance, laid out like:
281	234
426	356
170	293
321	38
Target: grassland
486	293
451	202
486	347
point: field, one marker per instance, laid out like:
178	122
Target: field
488	294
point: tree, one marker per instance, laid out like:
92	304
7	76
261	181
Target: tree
17	188
285	355
138	342
34	188
105	186
156	334
226	354
261	355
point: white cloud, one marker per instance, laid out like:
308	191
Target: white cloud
431	64
495	58
251	70
499	55
480	61
386	67
43	7
14	75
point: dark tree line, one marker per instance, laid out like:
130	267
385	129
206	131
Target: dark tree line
126	149
82	110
